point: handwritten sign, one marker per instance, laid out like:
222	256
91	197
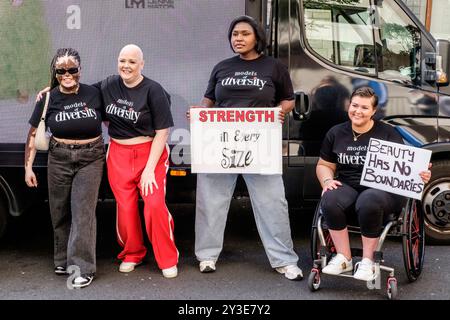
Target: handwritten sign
395	168
236	140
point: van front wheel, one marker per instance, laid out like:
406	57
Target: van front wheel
436	204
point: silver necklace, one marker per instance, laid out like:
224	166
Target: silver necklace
356	136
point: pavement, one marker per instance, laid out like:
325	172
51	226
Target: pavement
243	271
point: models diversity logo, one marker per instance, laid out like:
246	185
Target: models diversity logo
150	4
244	78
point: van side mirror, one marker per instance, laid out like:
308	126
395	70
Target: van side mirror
442	63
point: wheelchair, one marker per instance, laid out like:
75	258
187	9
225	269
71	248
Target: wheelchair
409	225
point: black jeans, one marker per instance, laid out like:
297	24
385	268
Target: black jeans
372	207
74	176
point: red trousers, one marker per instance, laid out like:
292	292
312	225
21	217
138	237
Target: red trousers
125	164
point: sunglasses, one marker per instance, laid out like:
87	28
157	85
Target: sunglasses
70	71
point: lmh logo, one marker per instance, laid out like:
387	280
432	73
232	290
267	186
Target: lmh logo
149	4
134	4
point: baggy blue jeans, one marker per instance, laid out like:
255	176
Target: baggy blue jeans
270	208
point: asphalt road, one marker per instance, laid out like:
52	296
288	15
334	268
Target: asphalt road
243	271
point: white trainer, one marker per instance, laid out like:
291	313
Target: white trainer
365	270
292	272
83	281
171	272
127	266
338	264
207	266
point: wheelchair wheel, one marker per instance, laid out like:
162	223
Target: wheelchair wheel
315	240
392	289
413	239
314	280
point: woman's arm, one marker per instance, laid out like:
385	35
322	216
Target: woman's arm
208	103
325	172
286	107
30	154
42	93
148	175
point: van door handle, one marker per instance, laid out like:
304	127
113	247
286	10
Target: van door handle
302	108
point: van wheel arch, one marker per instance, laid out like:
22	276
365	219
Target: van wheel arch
436	203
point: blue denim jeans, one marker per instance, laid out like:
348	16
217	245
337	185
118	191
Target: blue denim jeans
74	176
270	208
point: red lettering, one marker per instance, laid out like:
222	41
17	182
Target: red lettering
270	116
221	116
211	115
203	117
240	116
237	116
260	114
230	116
250	116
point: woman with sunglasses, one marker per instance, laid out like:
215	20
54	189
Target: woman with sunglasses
139	118
75	164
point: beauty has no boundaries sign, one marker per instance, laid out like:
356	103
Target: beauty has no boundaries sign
236	140
395	168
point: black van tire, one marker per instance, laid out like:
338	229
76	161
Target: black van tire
3	217
435	203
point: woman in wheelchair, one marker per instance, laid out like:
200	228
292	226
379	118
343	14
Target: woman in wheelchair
342	156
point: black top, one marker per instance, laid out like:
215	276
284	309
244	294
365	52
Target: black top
262	82
71	116
349	155
137	111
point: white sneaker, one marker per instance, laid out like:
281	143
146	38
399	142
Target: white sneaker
338	264
171	272
365	270
292	272
207	266
128	266
83	281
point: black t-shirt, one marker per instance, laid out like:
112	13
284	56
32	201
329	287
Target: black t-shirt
134	112
71	116
262	82
349	155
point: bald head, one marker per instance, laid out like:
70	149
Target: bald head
133	50
130	64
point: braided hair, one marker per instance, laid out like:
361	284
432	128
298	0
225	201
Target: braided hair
61	52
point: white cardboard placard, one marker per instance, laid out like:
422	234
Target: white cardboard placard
236	140
395	168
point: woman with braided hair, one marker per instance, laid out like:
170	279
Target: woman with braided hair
75	164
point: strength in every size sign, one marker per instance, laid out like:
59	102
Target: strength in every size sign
395	168
236	140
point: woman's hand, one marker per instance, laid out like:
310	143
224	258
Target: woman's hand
281	116
41	93
330	185
30	178
188	112
426	175
147	181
